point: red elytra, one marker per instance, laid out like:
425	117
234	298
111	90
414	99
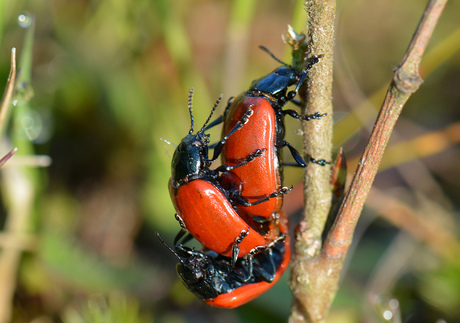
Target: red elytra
209	216
263	175
247	293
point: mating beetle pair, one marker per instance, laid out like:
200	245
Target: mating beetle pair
235	209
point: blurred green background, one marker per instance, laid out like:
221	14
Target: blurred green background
102	83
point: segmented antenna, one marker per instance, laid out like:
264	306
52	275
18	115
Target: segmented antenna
212	111
265	49
311	61
190	99
169	248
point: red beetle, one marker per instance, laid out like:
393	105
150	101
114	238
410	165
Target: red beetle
220	283
204	202
264	130
263	174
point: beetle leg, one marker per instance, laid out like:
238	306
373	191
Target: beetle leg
320	162
297	157
300	162
294	92
283	190
236	248
311	61
180	220
246	272
265	265
244	202
278	239
220	145
296	102
295	115
249	158
183	236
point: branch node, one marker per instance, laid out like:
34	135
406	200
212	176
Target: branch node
407	81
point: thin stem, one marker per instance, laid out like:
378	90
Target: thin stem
6	100
406	80
316	96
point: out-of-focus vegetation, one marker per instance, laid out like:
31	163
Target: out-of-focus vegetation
101	83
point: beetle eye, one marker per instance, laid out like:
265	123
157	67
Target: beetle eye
181	147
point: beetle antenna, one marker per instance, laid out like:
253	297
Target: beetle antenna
168	142
189	101
168	247
212	112
265	49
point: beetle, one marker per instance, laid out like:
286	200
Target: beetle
218	282
264	130
204	202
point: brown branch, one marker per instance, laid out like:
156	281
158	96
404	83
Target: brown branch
406	81
315	276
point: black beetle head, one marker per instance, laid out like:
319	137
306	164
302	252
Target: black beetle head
277	82
196	270
195	275
191	155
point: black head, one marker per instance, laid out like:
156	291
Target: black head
276	83
207	274
190	158
196	270
196	275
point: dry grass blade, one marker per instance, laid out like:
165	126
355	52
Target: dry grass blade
427	144
7	257
5	104
437	238
5	158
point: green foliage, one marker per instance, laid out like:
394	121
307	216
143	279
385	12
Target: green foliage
98	309
441	288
